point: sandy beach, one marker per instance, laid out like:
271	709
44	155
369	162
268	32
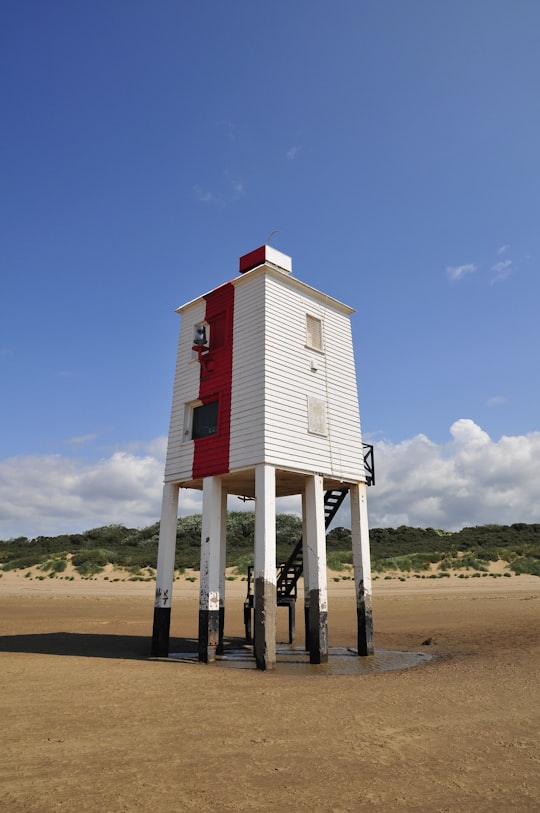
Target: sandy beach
91	723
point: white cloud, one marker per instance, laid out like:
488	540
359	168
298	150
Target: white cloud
456	272
496	400
81	440
292	152
470	480
502	249
230	192
50	494
204	195
501	270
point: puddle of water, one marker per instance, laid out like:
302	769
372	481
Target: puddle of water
341	661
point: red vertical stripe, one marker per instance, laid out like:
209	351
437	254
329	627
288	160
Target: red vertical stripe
211	453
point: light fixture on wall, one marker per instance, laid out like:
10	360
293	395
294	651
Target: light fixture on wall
200	346
200	336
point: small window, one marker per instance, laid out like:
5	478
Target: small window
314	332
205	420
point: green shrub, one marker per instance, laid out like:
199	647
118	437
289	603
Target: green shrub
21	562
337	560
526	564
244	561
54	565
87	568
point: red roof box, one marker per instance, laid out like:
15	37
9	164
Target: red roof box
265	255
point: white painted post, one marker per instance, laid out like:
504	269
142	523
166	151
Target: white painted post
265	567
362	567
305	564
212	518
316	558
222	569
165	570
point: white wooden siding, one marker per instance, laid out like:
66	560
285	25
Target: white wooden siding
179	464
273	378
290	374
248	381
274	374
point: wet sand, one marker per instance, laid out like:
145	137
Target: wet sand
91	723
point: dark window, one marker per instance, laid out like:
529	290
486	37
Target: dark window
205	419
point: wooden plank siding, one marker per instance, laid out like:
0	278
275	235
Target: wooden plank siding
248	374
290	380
273	375
272	379
179	463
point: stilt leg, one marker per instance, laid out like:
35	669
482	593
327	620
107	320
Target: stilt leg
316	549
165	571
210	569
362	567
305	562
265	568
222	569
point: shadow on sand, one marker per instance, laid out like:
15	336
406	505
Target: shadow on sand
237	653
130	647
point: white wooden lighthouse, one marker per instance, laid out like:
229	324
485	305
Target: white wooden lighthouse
265	405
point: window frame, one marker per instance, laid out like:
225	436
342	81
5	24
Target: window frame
316	321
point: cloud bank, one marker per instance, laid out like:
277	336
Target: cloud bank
471	480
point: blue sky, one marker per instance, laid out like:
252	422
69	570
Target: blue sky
146	146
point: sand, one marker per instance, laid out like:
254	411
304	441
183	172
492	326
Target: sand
90	723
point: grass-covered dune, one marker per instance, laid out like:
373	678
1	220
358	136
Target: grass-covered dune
402	550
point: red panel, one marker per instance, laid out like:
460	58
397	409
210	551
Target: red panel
251	260
211	453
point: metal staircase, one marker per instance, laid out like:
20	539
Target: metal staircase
290	571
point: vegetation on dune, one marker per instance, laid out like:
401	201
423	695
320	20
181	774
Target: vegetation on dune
403	549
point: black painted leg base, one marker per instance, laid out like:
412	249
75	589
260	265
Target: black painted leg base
318	630
160	632
365	630
220	646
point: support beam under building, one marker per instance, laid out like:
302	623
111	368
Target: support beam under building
316	569
305	567
213	519
222	569
165	571
265	567
362	567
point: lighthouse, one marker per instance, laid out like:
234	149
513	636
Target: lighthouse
264	405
